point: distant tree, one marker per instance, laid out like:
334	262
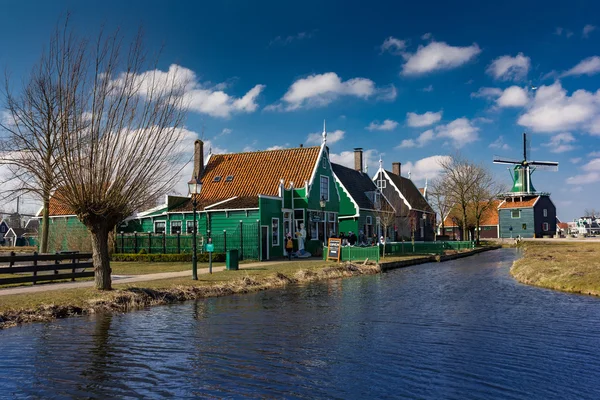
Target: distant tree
591	212
439	199
482	196
386	215
119	133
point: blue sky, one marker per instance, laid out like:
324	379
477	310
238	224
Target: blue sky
409	82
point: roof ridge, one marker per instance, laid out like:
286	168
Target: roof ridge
265	151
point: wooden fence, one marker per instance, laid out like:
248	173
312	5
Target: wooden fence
45	267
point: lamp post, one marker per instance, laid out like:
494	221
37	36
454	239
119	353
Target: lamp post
194	187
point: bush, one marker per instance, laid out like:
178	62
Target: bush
142	251
186	257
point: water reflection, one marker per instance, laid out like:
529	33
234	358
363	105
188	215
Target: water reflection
461	329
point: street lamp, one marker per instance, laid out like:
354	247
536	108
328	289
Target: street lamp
194	187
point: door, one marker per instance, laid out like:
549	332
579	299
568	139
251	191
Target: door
264	243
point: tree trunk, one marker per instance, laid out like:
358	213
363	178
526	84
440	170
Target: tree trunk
45	226
100	258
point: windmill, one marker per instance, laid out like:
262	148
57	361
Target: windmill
523	169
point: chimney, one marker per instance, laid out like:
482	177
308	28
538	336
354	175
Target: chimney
396	168
198	158
358	159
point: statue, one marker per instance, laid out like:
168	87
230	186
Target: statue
301	235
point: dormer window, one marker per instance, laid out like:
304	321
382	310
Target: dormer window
229	178
217	179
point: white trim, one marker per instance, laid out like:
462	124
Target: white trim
229	210
335	177
278	232
171	226
321	176
394	186
151	210
315	169
39	211
347	217
264	196
220	202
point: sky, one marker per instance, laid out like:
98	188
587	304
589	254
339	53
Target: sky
407	82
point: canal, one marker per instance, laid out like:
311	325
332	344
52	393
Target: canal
463	329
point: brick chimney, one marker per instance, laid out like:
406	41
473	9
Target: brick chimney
396	168
198	159
358	159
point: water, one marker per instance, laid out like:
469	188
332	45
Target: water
459	330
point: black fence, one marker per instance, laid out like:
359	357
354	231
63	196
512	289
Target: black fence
244	238
45	267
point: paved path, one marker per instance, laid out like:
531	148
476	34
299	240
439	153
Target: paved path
124	279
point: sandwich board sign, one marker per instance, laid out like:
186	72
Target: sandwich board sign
334	249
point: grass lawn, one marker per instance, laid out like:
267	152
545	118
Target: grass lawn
567	266
142	268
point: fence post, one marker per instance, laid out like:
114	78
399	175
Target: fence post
135	246
259	241
178	242
35	255
73	270
12	259
122	243
149	242
56	262
165	242
224	240
241	241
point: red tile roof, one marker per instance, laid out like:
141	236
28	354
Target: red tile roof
489	217
57	206
253	173
563	225
519	204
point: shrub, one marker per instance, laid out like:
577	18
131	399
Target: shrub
142	251
186	257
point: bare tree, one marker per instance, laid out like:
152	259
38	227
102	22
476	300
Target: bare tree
591	212
482	195
119	133
439	200
386	215
31	127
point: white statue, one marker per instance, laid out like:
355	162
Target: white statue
301	235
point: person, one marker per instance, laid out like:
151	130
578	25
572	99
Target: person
381	241
301	235
289	246
352	238
362	240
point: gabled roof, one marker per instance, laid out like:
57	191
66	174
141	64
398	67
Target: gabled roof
57	206
488	218
15	232
528	203
253	173
409	191
356	184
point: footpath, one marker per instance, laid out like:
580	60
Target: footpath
124	279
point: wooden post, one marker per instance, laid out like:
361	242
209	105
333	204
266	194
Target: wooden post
122	243
12	259
73	270
135	246
35	254
178	242
259	241
241	241
56	262
164	242
149	242
224	241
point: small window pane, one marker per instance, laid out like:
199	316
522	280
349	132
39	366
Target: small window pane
216	179
516	214
175	227
324	193
189	226
524	227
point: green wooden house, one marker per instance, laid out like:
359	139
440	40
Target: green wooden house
360	201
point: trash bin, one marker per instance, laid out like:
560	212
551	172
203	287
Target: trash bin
231	260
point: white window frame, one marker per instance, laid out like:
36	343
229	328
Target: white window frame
190	224
273	231
545	212
512	216
176	222
162	221
545	226
321	196
369	220
381	184
324	163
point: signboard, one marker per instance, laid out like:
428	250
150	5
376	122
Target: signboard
334	249
210	247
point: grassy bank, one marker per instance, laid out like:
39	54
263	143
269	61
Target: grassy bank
46	306
567	266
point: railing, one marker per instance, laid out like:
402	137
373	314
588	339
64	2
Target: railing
48	270
354	253
402	248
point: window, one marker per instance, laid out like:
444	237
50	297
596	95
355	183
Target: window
524	227
298	220
515	214
229	178
175	227
545	214
545	226
369	220
189	227
159	226
217	179
381	184
324	163
324	188
275	231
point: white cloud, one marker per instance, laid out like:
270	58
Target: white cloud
438	56
499	144
428	88
575	160
590	66
276	147
387	125
585	33
332	137
421	141
197	97
426	36
428	167
594	154
346	158
285	40
460	131
418	120
225	131
558	31
513	96
561	143
487	93
387	93
393	46
321	89
592	174
510	68
553	110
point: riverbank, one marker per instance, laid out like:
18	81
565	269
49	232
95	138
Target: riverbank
52	304
566	266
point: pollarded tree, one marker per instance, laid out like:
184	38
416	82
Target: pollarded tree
120	134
